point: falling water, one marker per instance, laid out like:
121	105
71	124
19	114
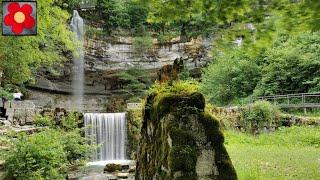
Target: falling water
77	26
108	132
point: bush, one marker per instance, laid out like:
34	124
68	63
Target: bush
43	121
177	87
258	115
167	37
39	155
45	155
70	122
291	65
75	146
229	78
142	44
138	80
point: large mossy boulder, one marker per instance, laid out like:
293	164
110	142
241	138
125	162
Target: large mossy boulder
180	141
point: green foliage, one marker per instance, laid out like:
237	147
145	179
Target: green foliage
142	44
5	93
39	155
43	121
258	115
70	122
134	130
93	32
123	14
178	13
45	155
113	13
166	37
230	77
20	57
177	87
75	146
184	75
138	79
291	65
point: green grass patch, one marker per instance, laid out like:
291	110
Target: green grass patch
290	153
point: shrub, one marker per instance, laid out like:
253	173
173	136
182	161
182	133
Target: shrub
43	121
142	44
258	115
230	77
45	155
291	65
70	122
177	87
167	37
138	79
39	155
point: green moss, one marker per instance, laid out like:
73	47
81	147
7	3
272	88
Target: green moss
182	137
164	103
134	124
212	128
184	158
181	130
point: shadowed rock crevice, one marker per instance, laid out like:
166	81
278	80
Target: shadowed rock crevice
180	141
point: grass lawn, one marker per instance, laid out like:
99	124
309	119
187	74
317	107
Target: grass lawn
289	153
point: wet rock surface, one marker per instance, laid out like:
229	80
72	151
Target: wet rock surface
106	172
180	141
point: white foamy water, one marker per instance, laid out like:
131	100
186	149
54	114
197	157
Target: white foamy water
77	26
108	132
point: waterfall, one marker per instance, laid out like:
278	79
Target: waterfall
108	132
77	26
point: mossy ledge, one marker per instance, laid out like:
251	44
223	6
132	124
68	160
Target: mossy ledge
180	141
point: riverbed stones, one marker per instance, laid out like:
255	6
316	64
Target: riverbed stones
112	168
180	141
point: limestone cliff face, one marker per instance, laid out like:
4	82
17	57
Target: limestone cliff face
106	57
180	141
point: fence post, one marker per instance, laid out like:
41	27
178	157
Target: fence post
303	103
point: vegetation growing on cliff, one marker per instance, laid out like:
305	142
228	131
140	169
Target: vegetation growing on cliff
21	56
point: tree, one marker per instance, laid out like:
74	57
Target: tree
291	65
230	77
21	56
114	14
180	12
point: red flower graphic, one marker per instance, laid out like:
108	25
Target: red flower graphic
19	17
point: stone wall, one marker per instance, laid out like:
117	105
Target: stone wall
20	112
180	141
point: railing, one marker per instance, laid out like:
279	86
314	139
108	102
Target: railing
302	100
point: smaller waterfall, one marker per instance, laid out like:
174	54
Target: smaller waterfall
77	26
108	131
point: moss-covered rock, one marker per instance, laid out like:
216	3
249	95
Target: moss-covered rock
180	141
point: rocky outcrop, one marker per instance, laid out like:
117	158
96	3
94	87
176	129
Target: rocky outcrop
180	141
105	58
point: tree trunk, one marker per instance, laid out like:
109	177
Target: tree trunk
183	33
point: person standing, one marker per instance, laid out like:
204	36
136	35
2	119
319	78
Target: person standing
17	96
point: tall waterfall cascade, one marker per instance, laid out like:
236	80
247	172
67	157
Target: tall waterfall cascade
108	132
77	26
